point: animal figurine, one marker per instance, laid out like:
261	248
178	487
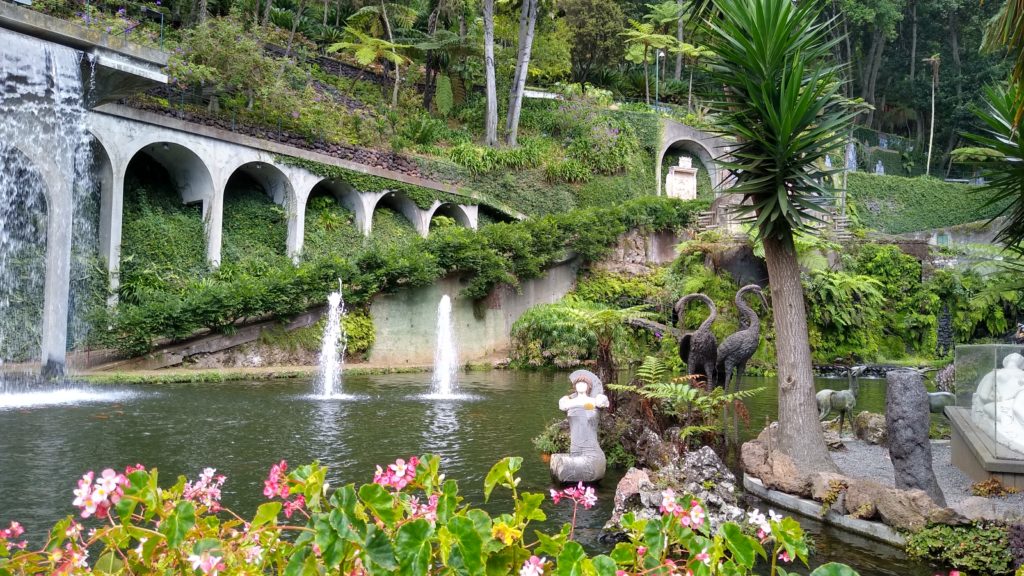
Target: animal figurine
699	349
937	401
842	401
739	346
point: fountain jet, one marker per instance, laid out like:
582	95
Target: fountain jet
446	358
332	348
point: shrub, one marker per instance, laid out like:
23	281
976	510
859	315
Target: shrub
569	170
977	548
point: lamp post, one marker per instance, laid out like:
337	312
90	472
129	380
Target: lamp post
657	59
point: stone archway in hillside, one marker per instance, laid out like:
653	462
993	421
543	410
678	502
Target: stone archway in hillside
325	225
402	204
453	211
702	145
254	220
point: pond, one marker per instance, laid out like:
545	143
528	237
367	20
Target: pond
242	428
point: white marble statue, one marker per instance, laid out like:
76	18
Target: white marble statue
585	461
998	403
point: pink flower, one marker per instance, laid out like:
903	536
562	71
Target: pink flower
426	511
641	550
292	506
97	497
696	514
668	502
579	494
397	475
703	557
556	496
621	573
206	490
253	554
532	567
784	556
276	483
206	563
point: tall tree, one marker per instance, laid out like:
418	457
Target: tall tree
934	63
295	26
1006	30
645	36
527	24
785	109
491	118
596	25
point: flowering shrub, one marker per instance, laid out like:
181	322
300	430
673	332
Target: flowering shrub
410	520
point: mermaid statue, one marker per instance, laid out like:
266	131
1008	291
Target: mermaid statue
585	461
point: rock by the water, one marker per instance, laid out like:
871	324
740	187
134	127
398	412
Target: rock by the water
870	427
700	473
822	486
978	508
775	470
907	419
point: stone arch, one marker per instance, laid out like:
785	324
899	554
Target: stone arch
455	211
262	182
706	147
347	196
400	202
191	175
274	182
696	148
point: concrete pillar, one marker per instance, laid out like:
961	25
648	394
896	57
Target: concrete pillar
472	212
58	272
213	219
111	222
363	204
296	227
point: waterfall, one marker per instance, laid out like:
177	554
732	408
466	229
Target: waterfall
47	197
332	348
446	358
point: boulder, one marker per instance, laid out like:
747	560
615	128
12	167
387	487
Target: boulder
870	427
860	497
907	419
775	470
822	484
978	508
833	441
907	509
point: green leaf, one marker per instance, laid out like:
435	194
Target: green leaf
448	501
502	473
380	502
178	523
742	546
266	513
467	556
528	507
551	545
604	565
108	563
413	547
834	569
570	561
624	553
379	551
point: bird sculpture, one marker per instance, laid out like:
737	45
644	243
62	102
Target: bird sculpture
842	401
739	346
699	349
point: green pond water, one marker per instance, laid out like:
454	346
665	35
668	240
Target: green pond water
242	428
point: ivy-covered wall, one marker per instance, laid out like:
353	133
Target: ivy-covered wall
896	205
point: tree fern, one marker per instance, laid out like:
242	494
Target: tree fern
444	99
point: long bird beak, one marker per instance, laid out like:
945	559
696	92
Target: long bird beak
764	300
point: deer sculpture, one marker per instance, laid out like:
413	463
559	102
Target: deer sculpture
842	401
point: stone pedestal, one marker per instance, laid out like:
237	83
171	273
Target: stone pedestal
681	181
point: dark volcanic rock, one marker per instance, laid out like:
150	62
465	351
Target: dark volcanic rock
907	419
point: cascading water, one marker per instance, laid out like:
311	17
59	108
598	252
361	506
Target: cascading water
446	358
45	186
332	348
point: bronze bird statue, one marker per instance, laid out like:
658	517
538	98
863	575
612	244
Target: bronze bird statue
741	345
699	348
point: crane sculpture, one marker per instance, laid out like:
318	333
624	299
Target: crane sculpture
842	401
699	349
741	345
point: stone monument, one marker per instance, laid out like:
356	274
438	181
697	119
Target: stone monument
585	461
681	181
907	419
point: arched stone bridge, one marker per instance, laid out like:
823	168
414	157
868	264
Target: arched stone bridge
201	161
705	146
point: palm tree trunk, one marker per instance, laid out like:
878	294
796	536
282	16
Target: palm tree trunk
689	90
527	22
931	132
337	15
647	80
295	26
800	435
491	123
679	38
387	28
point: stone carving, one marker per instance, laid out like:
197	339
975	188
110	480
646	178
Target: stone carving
907	419
842	401
699	349
681	180
739	346
585	461
998	404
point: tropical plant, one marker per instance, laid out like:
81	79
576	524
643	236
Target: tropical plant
368	49
644	37
785	109
603	323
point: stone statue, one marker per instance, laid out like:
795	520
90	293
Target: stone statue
585	461
907	421
699	349
842	401
739	346
998	404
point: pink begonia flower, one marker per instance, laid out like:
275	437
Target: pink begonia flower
206	563
784	556
621	573
533	567
253	554
668	502
696	514
97	495
703	557
579	494
397	475
556	496
641	550
206	490
276	483
290	507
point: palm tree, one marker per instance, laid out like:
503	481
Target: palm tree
1006	31
603	323
375	20
693	54
934	62
368	49
668	15
784	108
643	34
